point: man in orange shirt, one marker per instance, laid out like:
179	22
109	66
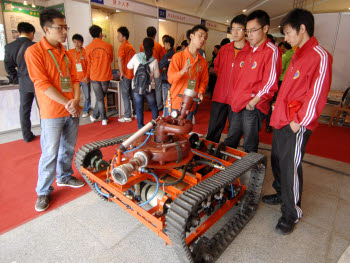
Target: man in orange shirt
99	56
79	54
157	54
188	66
54	75
125	53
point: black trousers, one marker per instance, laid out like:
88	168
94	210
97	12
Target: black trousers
218	116
247	123
25	107
288	149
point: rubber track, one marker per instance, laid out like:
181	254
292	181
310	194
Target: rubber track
90	147
178	218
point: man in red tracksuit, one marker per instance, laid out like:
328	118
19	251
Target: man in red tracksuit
255	85
227	66
300	101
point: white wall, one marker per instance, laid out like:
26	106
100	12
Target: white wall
332	32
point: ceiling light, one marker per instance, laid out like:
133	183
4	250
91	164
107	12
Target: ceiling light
279	26
95	19
33	4
107	17
161	20
25	3
244	10
117	11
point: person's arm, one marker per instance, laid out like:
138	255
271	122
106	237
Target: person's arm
316	96
217	61
156	70
10	65
120	66
176	71
88	66
131	62
164	62
268	86
203	83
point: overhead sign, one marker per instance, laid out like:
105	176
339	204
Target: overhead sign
162	13
214	25
171	15
125	5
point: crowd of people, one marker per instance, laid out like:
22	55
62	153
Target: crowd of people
245	78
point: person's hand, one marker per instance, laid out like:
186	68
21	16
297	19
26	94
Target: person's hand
250	106
73	108
185	69
86	81
201	97
121	75
294	126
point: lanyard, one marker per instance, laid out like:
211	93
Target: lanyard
196	70
75	51
65	58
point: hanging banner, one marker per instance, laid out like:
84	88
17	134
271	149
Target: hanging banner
15	13
174	16
214	25
125	5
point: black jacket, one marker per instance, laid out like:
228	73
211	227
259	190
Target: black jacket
15	64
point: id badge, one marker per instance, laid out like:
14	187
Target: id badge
66	84
79	67
191	84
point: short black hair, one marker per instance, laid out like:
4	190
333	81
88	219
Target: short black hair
287	45
273	40
240	19
25	27
217	47
170	40
48	15
197	27
178	48
262	17
188	33
298	17
78	37
151	31
225	41
164	36
280	44
184	43
95	31
124	31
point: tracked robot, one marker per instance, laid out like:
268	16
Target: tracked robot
177	184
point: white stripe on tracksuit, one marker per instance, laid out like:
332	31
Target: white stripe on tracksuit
310	113
297	160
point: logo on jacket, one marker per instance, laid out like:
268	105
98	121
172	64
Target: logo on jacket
254	65
200	69
297	74
241	64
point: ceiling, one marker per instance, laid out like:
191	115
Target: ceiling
223	11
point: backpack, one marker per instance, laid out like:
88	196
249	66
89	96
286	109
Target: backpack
142	78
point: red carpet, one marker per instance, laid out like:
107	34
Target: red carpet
18	172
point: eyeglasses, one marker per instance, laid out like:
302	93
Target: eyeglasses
237	29
60	28
251	31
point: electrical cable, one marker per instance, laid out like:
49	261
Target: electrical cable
100	192
156	192
172	183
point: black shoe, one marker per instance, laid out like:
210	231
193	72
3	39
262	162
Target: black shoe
30	138
42	203
285	226
272	199
268	129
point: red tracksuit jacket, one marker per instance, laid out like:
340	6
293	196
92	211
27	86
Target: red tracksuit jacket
226	67
258	76
305	87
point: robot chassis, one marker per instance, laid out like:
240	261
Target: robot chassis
177	184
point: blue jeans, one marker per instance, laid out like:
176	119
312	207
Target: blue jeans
100	89
127	96
58	139
151	98
87	94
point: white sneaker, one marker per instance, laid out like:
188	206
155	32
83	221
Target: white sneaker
104	122
85	114
92	119
193	120
125	119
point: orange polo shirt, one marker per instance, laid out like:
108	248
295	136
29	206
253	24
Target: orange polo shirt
179	82
79	58
99	57
157	50
126	52
44	74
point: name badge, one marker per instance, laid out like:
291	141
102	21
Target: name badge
79	67
191	84
66	84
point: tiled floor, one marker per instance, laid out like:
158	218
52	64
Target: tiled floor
90	230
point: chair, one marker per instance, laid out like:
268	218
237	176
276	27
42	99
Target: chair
341	111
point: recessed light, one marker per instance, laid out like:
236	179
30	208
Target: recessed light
117	11
244	10
161	20
107	17
279	26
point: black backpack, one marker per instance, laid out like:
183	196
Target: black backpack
142	79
